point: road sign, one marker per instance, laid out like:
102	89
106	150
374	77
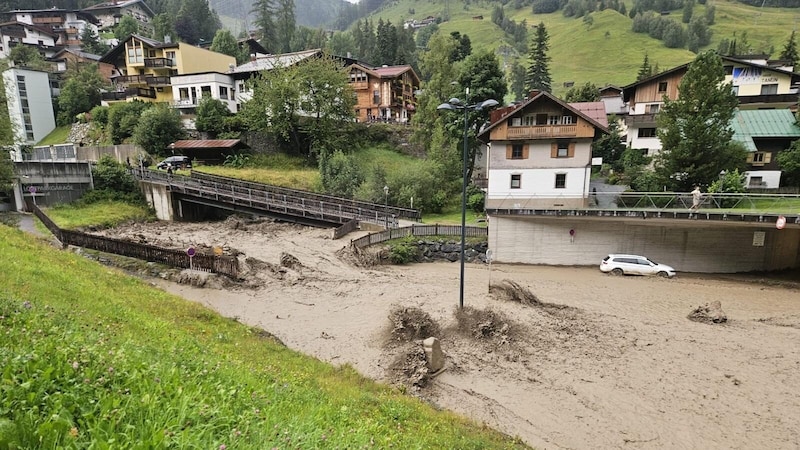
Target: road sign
218	251
190	251
32	189
780	223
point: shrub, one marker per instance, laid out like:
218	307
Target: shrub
403	252
237	160
100	116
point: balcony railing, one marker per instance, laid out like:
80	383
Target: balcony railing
157	81
159	62
359	85
641	119
185	103
131	79
542	131
129	93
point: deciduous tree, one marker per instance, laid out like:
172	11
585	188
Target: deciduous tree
586	93
80	93
126	27
789	161
90	42
158	127
695	128
211	114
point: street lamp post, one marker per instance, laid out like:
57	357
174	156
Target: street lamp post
386	207
454	105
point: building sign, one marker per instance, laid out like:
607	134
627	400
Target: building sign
758	238
746	75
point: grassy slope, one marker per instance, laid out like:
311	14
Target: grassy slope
582	54
94	358
57	136
102	214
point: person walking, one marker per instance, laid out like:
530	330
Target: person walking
697	198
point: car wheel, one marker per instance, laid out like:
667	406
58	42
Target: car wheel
663	274
617	272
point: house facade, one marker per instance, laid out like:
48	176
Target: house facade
539	155
764	133
14	33
187	90
65	23
143	68
384	94
70	59
30	106
756	84
110	13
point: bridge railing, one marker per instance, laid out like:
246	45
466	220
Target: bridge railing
278	200
719	202
400	213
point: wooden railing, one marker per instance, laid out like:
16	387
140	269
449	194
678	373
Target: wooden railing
539	131
343	230
225	265
418	230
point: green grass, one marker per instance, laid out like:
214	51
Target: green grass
101	214
451	215
57	136
92	358
275	169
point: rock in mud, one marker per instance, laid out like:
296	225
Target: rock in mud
709	313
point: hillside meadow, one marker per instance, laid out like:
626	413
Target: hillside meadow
607	52
91	357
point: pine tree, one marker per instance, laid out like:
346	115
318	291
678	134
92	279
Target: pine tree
645	71
285	25
90	42
264	10
538	75
695	128
789	52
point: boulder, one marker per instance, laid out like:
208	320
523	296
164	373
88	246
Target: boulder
709	313
433	354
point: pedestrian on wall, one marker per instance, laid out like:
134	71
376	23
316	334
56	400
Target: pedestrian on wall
169	169
697	198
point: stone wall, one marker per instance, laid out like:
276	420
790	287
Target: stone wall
450	250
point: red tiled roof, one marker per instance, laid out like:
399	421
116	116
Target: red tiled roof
391	71
206	143
595	110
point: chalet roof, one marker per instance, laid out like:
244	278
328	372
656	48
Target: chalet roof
119	4
115	52
629	89
270	62
610	90
207	143
89	17
595	110
392	71
506	113
763	123
78	53
32	27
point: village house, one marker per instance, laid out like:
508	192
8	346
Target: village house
14	33
143	68
764	133
67	24
30	105
756	84
384	94
110	13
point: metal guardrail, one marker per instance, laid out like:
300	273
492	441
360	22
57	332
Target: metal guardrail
398	212
710	202
282	201
418	230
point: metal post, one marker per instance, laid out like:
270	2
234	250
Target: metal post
386	207
463	208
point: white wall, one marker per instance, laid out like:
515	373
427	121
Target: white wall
772	178
536	183
40	104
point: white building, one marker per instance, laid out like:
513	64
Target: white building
30	106
16	33
187	90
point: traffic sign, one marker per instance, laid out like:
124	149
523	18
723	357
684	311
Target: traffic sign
32	189
190	251
780	223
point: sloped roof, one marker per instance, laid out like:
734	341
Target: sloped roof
272	61
78	53
498	116
207	143
32	27
115	52
763	123
116	4
595	110
391	71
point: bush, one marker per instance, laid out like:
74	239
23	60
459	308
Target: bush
403	252
112	181
339	174
476	199
100	116
237	161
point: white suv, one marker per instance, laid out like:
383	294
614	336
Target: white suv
634	265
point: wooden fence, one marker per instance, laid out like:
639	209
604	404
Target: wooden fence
418	230
225	265
343	230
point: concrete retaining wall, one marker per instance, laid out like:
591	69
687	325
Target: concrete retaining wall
689	247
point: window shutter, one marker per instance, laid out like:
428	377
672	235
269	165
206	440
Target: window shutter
571	150
767	157
554	150
525	150
509	151
750	158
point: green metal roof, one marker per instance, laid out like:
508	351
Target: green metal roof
763	123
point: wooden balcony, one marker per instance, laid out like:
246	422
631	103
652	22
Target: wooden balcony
641	119
543	131
131	79
159	62
157	81
359	85
129	93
